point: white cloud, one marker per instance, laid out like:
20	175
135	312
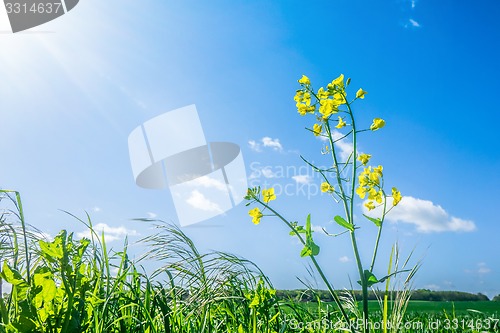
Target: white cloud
265	142
268	173
208	182
345	148
432	287
414	23
199	201
425	215
272	143
151	215
483	268
96	209
344	259
254	146
317	228
302	179
413	3
110	233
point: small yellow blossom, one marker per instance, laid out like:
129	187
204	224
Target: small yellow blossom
327	108
256	215
304	80
268	195
364	158
325	187
322	94
370	205
302	109
377	124
361	93
306	99
396	195
341	123
339	82
378	170
317	129
299	95
361	191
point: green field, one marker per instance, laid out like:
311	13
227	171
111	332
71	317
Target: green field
459	308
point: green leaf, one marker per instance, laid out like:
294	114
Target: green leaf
310	248
370	279
343	223
376	221
13	276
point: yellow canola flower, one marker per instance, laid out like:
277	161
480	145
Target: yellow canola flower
302	109
306	99
396	196
373	194
268	195
378	170
341	123
364	158
361	93
256	215
325	187
299	95
370	205
304	80
317	129
327	108
339	82
377	124
322	94
361	191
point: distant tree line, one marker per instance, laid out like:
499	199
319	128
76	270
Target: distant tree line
302	295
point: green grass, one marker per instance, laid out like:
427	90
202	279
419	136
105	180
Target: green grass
68	285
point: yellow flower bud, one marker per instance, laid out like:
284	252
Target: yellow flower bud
304	80
364	158
317	129
341	123
361	93
377	124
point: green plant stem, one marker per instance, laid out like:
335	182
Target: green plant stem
379	234
337	171
315	263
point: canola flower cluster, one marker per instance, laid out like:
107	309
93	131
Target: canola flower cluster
324	103
256	213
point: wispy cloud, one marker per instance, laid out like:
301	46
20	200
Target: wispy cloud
199	201
110	233
345	147
483	268
255	146
344	259
209	182
302	179
96	209
426	216
413	3
266	142
151	215
414	23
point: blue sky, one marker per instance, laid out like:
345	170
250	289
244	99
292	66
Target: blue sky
73	89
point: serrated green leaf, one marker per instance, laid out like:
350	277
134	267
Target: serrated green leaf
343	223
376	221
